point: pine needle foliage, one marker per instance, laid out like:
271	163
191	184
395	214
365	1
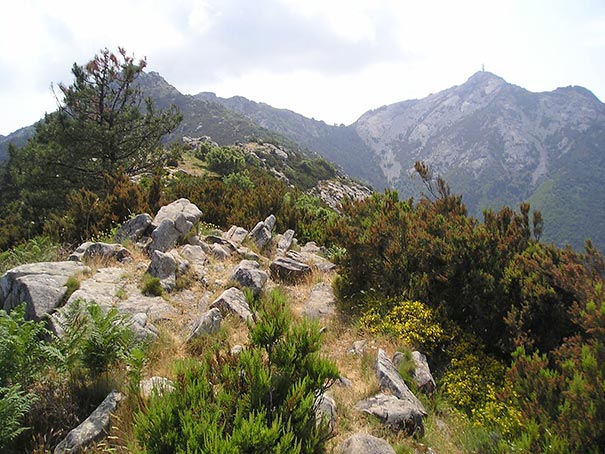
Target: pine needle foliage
263	400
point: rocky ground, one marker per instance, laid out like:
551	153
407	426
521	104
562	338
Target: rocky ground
202	275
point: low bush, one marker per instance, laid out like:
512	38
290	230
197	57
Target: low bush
262	400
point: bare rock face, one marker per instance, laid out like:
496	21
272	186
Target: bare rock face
103	251
236	234
166	235
398	414
208	323
285	242
133	229
41	286
93	427
361	443
422	373
325	410
261	233
248	274
196	257
233	301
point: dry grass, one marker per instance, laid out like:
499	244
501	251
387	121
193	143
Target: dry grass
340	334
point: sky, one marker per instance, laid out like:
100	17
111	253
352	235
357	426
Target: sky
331	60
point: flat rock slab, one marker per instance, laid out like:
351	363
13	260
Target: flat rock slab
102	288
41	286
315	261
362	443
103	251
92	428
321	302
155	307
398	414
289	270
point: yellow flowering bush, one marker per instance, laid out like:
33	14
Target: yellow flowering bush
411	321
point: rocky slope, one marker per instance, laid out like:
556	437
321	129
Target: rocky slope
217	265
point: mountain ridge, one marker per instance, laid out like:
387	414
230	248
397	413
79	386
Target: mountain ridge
494	142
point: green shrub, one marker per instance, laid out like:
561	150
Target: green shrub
262	400
37	249
150	285
225	160
14	406
93	338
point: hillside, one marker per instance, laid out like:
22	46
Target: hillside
338	144
499	144
493	142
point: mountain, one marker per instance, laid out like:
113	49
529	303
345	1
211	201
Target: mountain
339	144
499	144
494	142
18	138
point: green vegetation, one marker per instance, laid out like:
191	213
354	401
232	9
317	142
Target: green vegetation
102	134
150	285
49	383
262	400
523	319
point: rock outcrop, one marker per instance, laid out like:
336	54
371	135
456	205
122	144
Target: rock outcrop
233	301
248	274
361	443
92	428
41	286
289	270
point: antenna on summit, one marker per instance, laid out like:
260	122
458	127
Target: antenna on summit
482	67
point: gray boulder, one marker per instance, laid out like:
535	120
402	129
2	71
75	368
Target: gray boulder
208	323
289	270
92	428
166	235
233	301
285	241
102	288
142	328
163	266
196	257
247	254
321	302
390	380
398	414
313	260
133	229
236	234
361	443
248	274
172	211
422	373
103	251
219	251
41	286
261	233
